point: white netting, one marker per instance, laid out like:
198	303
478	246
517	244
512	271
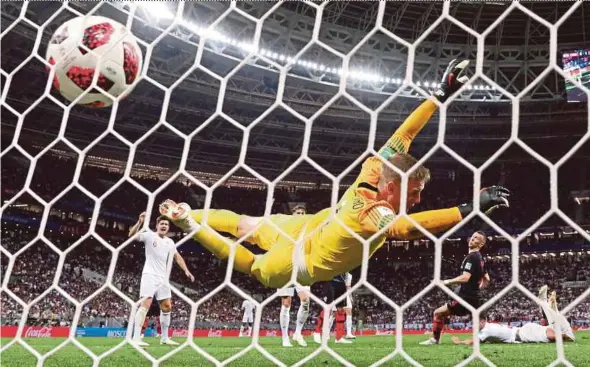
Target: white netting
255	51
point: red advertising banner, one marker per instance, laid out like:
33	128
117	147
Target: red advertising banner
35	332
63	332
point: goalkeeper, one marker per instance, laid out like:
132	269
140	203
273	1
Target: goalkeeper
323	247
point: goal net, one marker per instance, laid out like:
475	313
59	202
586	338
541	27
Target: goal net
313	61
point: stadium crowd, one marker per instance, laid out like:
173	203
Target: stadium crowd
35	269
398	270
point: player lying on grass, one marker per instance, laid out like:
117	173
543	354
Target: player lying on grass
529	332
324	247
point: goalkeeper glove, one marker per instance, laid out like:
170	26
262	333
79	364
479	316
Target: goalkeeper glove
453	78
490	198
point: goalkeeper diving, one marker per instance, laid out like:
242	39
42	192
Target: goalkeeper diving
320	248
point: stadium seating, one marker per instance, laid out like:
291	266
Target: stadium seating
398	269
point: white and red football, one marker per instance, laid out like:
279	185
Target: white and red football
111	42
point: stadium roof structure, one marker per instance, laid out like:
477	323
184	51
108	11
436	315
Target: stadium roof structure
516	52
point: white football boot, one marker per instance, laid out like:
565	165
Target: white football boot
299	339
430	341
140	343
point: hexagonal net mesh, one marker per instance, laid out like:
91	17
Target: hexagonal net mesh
254	51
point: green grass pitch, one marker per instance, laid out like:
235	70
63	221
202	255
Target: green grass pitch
364	351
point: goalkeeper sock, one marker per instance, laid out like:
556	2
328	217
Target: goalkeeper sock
164	323
348	324
139	319
220	220
284	320
220	248
302	314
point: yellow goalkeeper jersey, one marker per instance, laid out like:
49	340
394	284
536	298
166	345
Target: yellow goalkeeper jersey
332	249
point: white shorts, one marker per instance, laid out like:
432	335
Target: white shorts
154	286
248	317
533	333
290	291
348	302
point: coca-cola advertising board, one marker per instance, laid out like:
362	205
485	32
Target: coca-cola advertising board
35	332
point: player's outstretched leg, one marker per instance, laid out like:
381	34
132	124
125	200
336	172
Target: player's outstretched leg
438	323
158	327
144	327
545	307
180	215
139	320
285	315
560	321
165	308
348	310
242	328
349	334
319	323
543	297
302	314
339	318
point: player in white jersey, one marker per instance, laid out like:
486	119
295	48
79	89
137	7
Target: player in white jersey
155	276
286	300
348	307
529	332
302	313
248	318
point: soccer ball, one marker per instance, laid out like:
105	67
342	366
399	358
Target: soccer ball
120	59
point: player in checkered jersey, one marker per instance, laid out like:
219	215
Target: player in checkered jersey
333	290
473	278
155	276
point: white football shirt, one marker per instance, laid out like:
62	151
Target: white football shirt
497	333
157	252
248	307
348	279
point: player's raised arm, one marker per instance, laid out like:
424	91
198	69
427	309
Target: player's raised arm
379	215
182	265
133	230
453	78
